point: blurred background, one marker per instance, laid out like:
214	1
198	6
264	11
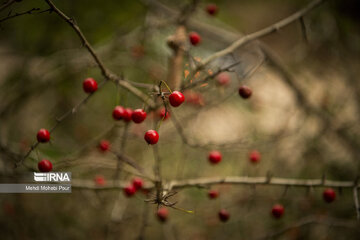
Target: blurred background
303	117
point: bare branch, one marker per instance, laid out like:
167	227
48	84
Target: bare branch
263	32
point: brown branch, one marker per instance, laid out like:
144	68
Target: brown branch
261	33
7	4
177	43
105	72
31	11
232	180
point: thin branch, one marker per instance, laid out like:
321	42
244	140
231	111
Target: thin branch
7	4
234	180
31	11
105	72
261	33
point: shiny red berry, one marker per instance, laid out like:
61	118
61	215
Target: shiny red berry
129	190
245	92
215	157
104	145
329	195
151	137
277	211
162	214
224	215
118	113
138	116
223	79
194	38
254	156
99	180
212	9
90	85
43	135
213	194
45	165
137	183
176	98
162	114
127	114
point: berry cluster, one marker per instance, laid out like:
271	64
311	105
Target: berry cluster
133	187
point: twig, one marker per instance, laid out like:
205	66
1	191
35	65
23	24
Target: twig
7	4
31	11
263	32
235	180
105	72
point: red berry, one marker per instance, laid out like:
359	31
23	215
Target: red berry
104	145
176	98
138	183
151	137
212	9
127	114
138	116
213	194
129	190
223	79
90	85
161	113
100	180
245	92
43	135
118	113
224	215
45	165
254	156
194	98
329	195
162	214
277	211
215	157
195	38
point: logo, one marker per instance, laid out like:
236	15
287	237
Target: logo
52	177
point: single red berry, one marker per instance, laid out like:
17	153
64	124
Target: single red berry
245	92
213	194
223	79
212	9
118	113
224	215
176	98
162	214
254	156
127	114
43	135
151	137
162	115
138	115
90	85
129	190
99	180
215	157
45	165
104	145
329	195
194	38
277	211
138	183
